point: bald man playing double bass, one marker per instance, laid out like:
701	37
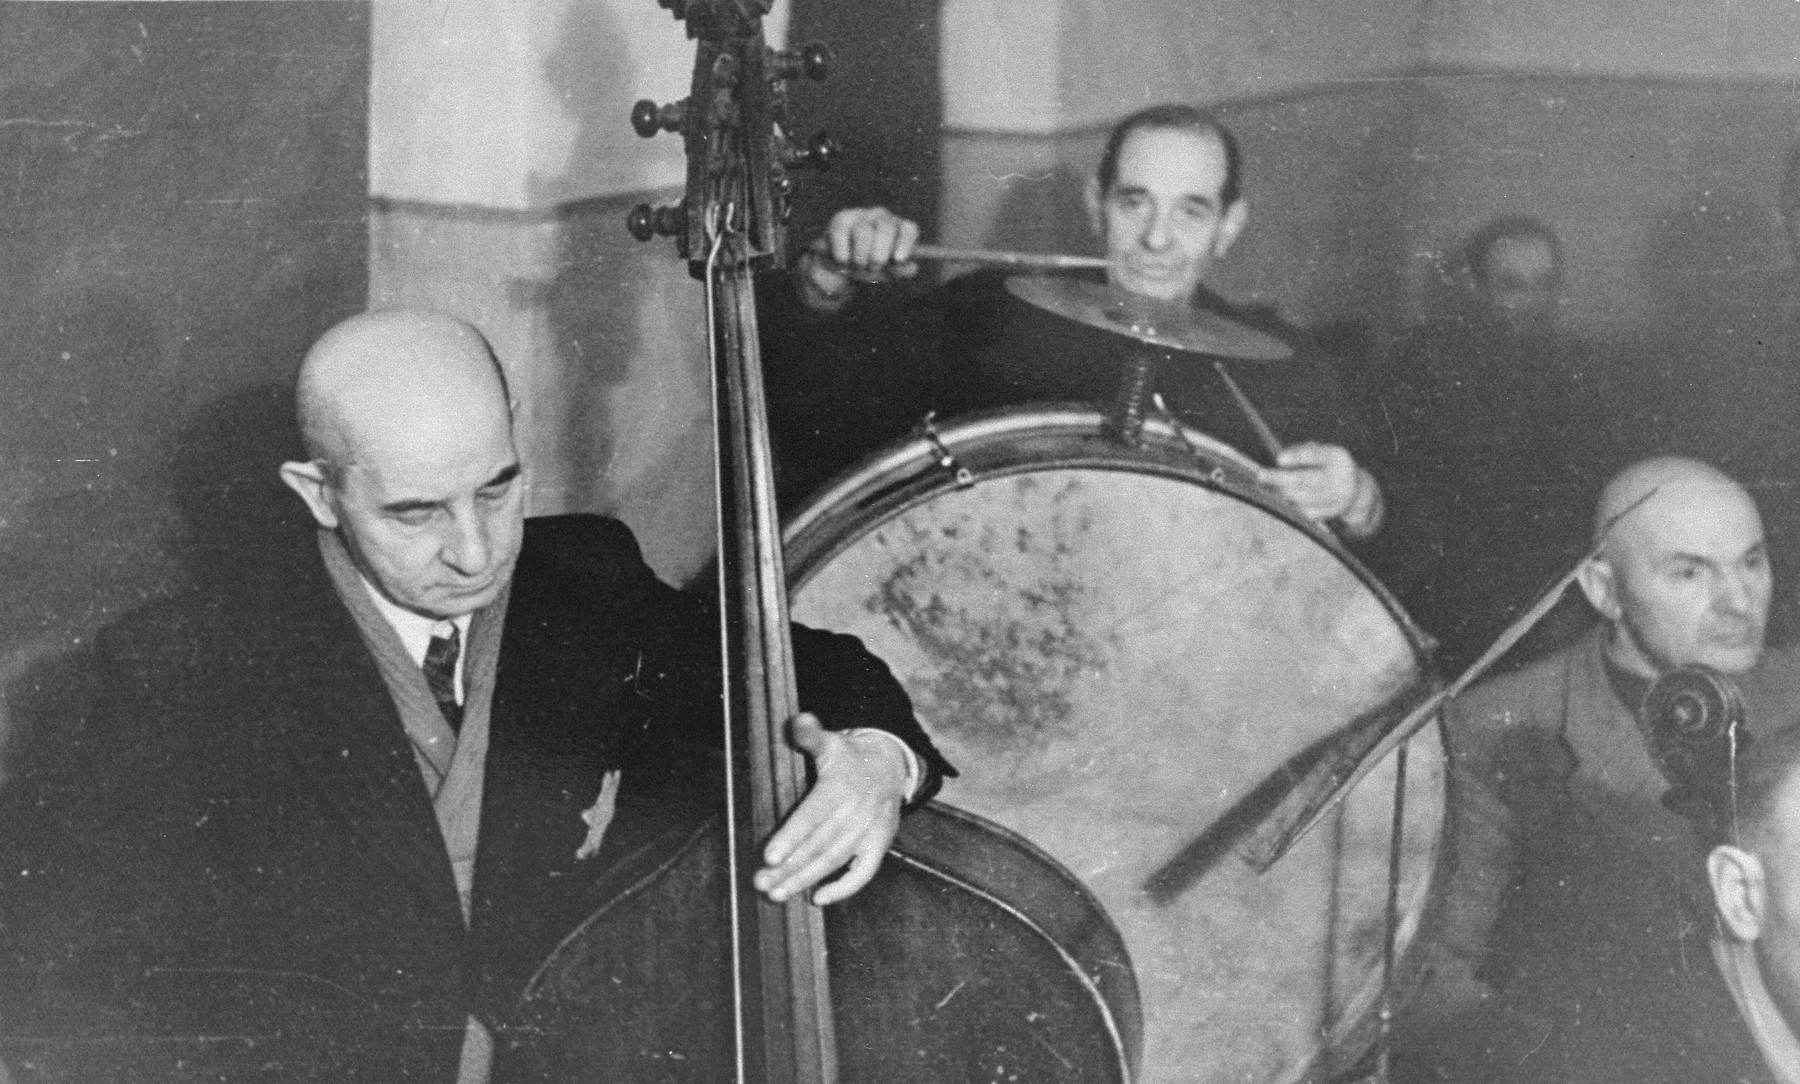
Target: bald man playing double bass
324	822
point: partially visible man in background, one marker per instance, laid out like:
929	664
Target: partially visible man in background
1498	426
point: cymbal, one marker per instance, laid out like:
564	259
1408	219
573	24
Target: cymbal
1147	319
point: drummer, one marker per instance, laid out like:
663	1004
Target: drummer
1166	205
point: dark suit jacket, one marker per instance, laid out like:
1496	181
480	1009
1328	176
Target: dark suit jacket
229	865
1571	888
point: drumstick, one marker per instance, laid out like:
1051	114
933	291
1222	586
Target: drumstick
1291	795
1270	442
1024	261
1270	843
1021	261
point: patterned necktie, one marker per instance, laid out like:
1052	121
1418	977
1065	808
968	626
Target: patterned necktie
440	675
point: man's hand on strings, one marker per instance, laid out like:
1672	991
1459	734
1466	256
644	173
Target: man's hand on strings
871	244
849	817
1326	484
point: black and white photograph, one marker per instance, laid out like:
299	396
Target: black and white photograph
830	542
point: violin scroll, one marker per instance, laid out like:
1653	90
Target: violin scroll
1694	719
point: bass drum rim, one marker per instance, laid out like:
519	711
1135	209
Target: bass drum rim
1015	440
1067	435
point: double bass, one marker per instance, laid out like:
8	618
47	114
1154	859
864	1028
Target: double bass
972	955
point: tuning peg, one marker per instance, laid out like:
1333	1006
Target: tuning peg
648	118
646	222
818	154
812	60
677	8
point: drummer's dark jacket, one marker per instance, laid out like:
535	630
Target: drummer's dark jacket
224	864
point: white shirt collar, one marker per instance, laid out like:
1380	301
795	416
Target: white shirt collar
416	630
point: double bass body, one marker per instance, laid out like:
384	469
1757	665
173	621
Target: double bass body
970	957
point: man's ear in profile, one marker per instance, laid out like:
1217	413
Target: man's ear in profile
1231	226
308	478
1740	891
1599	583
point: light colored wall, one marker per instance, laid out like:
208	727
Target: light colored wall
1118	57
502	165
1624	37
523	103
1038	67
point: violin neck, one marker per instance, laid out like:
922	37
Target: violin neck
784	969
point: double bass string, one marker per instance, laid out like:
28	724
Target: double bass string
739	1039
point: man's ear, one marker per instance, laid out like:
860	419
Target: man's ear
1739	891
1095	202
308	479
1600	583
1237	216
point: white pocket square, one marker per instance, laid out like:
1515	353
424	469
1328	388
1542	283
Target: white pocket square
599	815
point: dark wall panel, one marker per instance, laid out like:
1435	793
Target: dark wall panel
882	103
182	200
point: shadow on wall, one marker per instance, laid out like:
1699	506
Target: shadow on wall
592	313
84	529
224	484
594	73
216	510
590	308
184	192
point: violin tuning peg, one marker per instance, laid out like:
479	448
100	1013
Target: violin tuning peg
645	222
648	118
812	60
639	222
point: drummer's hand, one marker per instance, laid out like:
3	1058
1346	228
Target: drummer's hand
859	243
850	815
1325	482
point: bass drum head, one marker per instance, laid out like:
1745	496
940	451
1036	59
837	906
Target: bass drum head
1113	645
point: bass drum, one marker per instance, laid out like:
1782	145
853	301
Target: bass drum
1113	645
